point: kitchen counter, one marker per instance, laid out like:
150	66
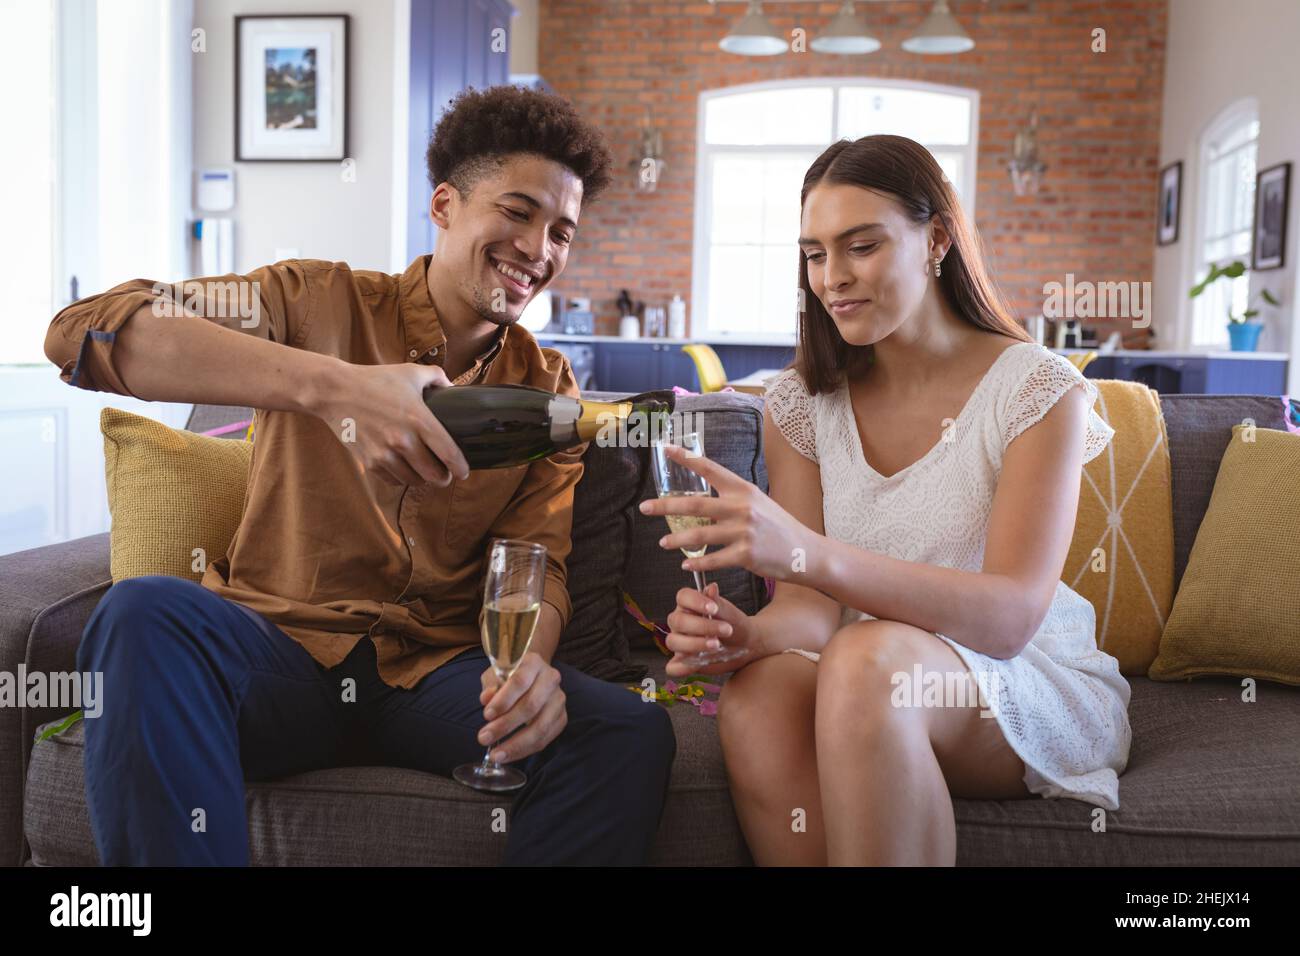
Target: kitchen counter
1185	354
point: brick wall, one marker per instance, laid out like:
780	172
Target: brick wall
1099	128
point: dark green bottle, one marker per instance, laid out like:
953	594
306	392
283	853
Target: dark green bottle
500	426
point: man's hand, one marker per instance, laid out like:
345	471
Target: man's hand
531	696
378	412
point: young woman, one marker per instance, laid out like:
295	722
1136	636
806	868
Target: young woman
924	461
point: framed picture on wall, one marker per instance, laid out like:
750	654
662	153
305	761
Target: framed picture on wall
1171	191
291	88
1272	196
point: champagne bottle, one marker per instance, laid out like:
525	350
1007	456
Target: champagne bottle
500	426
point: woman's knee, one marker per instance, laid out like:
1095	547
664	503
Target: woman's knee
863	664
768	704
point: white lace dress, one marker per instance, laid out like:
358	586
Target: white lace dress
1062	703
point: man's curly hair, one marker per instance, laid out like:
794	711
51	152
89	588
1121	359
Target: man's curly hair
481	127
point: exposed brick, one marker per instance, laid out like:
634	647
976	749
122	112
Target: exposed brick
1099	128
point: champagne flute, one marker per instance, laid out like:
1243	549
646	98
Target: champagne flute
512	598
677	481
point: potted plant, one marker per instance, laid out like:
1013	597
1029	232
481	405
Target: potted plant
1242	332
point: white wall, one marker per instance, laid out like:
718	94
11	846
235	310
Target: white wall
304	206
1217	53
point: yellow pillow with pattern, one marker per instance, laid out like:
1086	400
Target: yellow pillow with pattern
176	497
1122	553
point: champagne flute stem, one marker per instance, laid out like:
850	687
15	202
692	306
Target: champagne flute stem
700	585
488	762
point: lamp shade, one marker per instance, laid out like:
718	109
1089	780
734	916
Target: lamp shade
939	33
847	33
754	35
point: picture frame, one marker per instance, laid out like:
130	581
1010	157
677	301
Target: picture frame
1272	205
1169	204
291	87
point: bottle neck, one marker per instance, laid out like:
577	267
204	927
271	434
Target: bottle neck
596	414
574	421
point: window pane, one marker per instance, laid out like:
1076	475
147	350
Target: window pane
27	178
737	207
1243	193
734	292
756	198
952	166
927	117
136	221
780	290
770	118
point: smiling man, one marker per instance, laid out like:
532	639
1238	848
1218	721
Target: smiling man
341	625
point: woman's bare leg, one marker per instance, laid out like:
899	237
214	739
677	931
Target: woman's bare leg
886	772
766	722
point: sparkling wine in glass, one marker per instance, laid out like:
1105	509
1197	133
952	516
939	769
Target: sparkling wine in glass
512	599
677	481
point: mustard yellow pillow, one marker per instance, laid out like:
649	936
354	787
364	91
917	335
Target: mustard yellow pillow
1237	612
1122	554
176	497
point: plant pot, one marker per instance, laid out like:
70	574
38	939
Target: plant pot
1244	336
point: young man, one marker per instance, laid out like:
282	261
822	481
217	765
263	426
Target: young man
358	562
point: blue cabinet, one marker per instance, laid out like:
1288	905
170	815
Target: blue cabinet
641	366
1194	374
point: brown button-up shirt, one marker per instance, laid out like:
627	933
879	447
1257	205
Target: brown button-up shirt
326	552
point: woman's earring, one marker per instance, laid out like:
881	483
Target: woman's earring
936	267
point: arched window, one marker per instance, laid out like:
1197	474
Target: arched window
1225	213
754	145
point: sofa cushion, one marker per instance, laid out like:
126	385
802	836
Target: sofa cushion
385	816
1121	556
1199	429
171	493
1231	617
603	504
1210	781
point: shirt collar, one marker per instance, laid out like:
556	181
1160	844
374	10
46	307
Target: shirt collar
420	321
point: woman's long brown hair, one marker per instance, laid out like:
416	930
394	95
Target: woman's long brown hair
905	170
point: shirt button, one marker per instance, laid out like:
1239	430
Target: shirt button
414	352
411	541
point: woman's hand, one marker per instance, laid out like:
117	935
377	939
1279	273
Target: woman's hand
691	631
754	531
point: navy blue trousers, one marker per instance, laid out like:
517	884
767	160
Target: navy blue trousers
201	693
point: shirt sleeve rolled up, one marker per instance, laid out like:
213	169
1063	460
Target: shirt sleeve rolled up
273	302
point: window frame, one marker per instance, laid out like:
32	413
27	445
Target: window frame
1239	113
705	153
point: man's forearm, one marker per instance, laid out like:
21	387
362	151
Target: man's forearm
189	359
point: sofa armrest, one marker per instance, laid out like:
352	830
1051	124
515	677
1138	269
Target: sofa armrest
46	596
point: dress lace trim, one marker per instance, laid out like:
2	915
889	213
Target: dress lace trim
792	412
1048	379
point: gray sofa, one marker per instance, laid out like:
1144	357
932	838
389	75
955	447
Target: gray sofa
1208	782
